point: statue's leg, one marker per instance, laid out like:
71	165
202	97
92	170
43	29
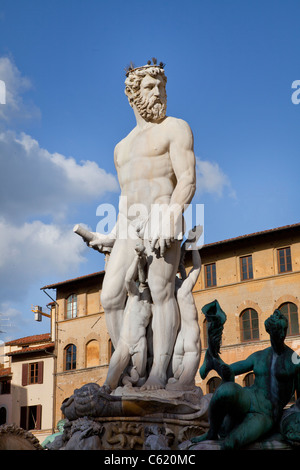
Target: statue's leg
177	357
139	358
190	349
118	362
253	427
165	320
113	296
229	399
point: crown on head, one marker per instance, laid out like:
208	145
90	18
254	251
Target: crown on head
131	67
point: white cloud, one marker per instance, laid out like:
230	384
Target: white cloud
34	251
211	179
11	322
35	182
15	85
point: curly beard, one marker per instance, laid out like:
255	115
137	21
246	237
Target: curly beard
150	110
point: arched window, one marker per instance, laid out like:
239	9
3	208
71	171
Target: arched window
249	379
72	306
70	357
213	384
249	325
92	353
290	311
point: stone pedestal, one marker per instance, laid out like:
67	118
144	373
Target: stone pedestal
158	430
132	419
148	433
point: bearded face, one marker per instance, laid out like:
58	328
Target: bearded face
150	100
151	109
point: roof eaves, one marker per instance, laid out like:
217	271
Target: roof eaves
29	350
76	279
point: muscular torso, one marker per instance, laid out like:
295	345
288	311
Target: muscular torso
144	165
275	375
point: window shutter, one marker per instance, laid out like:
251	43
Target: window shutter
24	374
40	372
38	417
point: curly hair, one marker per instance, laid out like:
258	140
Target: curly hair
134	78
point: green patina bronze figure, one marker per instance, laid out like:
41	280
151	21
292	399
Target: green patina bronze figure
50	439
239	416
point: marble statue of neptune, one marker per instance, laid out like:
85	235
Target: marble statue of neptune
155	164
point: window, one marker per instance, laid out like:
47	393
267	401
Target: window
2	415
249	325
32	373
31	417
284	260
70	357
5	387
92	353
249	379
213	384
72	306
290	311
246	267
210	275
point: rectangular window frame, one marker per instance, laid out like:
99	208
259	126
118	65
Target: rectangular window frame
286	262
210	275
32	373
30	415
71	306
5	387
247	273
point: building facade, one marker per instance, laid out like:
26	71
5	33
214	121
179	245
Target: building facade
250	276
82	343
30	388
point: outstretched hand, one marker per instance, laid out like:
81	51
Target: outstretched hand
102	243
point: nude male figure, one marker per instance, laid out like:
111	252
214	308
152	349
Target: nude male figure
156	166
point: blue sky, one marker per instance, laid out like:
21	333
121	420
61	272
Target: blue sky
230	66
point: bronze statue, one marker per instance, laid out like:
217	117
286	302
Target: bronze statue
242	415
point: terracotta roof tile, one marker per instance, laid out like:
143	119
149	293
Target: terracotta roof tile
254	234
29	340
53	286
